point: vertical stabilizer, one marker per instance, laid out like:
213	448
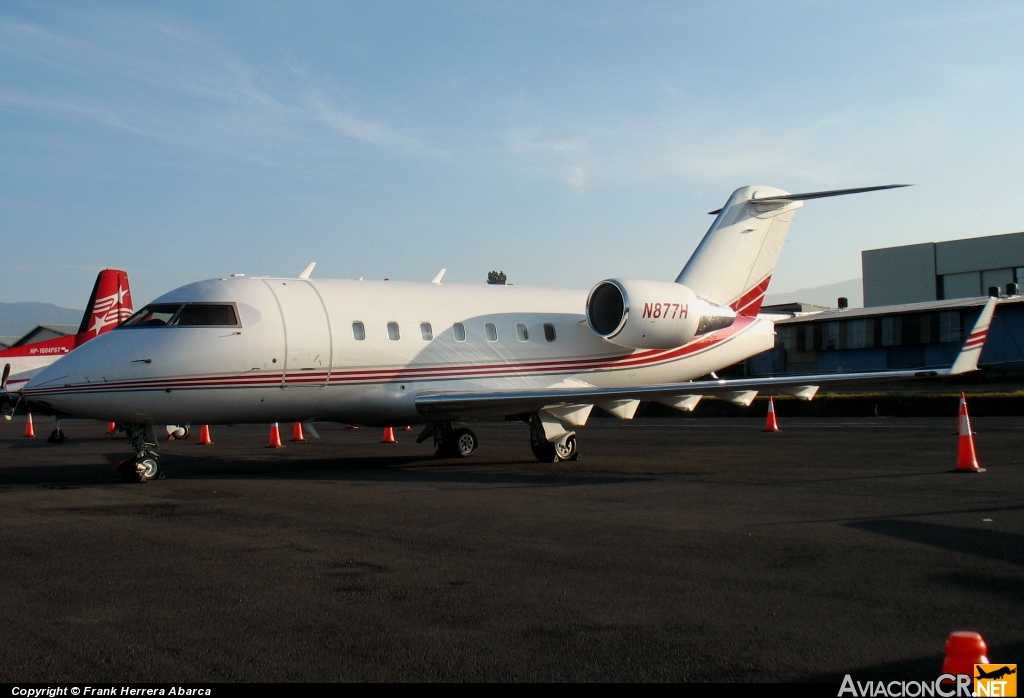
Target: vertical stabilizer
110	303
734	262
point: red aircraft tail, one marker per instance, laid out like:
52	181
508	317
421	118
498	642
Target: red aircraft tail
110	303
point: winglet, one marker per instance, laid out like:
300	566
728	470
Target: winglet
967	359
437	276
307	271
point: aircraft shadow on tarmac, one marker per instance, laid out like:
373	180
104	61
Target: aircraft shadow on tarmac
997	545
413	469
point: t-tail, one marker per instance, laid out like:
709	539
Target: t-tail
110	303
734	262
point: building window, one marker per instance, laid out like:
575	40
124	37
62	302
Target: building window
856	334
549	332
460	332
521	332
832	335
949	326
426	331
892	335
358	331
491	331
393	334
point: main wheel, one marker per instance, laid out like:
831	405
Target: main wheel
566	450
544	452
465	442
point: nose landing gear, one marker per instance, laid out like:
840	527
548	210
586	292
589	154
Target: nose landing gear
145	465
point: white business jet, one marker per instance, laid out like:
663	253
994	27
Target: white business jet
258	350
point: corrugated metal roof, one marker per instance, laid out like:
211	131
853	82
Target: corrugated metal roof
62	329
885	310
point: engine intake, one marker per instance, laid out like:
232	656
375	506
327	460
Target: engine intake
652	314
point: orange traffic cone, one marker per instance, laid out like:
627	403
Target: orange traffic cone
275	437
297	432
964	649
111	427
389	436
966	458
204	436
771	424
30	431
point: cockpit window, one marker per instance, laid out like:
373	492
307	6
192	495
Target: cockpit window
187	315
153	315
200	314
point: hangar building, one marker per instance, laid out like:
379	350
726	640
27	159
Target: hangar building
920	301
935	271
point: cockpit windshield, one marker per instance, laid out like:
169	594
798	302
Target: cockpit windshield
185	315
152	316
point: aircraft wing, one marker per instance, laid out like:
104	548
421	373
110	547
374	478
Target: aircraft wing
685	395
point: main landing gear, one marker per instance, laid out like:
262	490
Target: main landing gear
564	448
449	441
452	442
145	465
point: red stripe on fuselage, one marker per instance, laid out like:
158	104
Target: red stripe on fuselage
639	359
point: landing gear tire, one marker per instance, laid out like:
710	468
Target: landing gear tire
464	443
451	442
57	436
564	449
139	469
544	452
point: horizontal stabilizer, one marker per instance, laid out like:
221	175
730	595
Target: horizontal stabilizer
788	198
822	194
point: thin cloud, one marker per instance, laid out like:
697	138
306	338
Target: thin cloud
169	83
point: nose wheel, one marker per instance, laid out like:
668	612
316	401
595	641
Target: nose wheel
145	465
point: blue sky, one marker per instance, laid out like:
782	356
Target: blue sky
562	142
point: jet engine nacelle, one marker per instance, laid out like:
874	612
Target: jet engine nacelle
652	314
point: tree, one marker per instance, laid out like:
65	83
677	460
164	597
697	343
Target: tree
496	277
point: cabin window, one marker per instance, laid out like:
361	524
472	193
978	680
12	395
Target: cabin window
426	331
358	331
156	315
393	334
460	332
207	314
491	331
549	332
521	332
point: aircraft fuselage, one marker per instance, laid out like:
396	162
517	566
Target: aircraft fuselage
358	351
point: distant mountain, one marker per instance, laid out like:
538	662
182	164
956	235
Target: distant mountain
826	295
18	319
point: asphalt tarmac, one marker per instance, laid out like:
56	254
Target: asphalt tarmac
675	550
